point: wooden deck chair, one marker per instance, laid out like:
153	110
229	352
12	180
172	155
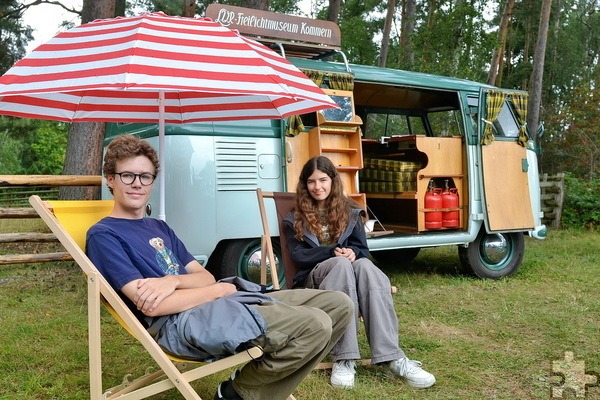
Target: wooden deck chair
69	221
284	202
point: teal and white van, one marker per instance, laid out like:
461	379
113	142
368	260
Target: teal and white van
436	161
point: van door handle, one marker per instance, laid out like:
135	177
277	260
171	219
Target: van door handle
524	165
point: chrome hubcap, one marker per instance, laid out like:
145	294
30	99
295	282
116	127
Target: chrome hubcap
494	249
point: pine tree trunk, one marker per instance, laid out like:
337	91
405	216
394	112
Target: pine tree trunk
409	10
430	22
189	8
535	90
385	40
95	9
84	146
334	10
498	55
84	157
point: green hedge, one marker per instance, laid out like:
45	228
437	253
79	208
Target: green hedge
581	208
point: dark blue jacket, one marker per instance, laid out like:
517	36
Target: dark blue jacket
307	253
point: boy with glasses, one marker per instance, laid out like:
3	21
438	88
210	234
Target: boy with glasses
190	314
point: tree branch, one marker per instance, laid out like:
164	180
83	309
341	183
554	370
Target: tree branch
18	11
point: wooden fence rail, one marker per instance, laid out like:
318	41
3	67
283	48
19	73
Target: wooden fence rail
15	190
16	196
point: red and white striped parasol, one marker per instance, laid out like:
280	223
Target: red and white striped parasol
156	68
112	70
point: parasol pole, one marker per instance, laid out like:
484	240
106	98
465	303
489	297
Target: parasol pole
161	154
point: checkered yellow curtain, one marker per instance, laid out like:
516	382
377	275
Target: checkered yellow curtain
334	80
315	76
295	126
495	99
519	101
341	82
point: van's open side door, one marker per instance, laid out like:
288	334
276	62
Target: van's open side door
504	167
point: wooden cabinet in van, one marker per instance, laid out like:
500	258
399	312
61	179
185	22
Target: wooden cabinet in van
397	175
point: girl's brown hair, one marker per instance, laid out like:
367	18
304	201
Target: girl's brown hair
337	204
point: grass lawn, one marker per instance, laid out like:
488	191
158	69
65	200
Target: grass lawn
482	339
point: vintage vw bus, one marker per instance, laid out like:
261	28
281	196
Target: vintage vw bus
434	160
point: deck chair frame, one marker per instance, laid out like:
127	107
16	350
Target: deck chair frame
99	291
267	252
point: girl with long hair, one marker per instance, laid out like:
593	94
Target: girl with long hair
328	244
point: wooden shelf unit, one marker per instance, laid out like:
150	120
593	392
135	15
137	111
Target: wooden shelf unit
340	141
445	155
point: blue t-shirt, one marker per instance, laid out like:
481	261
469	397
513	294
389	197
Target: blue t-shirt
127	249
124	250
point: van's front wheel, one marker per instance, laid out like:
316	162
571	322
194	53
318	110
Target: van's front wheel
493	255
242	258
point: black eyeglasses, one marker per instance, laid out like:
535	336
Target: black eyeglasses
128	178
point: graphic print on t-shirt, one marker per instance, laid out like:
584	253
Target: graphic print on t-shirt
165	257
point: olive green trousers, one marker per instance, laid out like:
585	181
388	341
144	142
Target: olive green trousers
302	328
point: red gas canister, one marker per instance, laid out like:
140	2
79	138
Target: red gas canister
450	201
433	200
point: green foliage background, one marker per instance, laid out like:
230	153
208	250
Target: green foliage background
582	203
32	147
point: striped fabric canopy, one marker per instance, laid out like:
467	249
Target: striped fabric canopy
158	69
115	69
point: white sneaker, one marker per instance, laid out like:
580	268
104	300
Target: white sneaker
342	374
412	372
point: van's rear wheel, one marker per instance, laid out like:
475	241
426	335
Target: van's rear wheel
242	258
493	255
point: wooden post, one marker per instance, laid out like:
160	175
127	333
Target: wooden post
552	198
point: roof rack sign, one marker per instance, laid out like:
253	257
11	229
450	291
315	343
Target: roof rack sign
270	27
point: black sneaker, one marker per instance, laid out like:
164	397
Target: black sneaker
226	391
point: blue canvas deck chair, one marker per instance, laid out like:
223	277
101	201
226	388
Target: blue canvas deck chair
69	220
